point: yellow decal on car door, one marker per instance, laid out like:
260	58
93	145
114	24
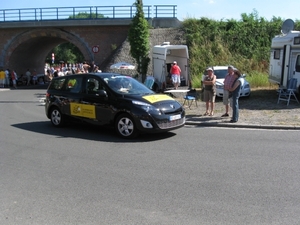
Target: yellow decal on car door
83	110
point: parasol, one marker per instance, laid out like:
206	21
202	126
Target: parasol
122	65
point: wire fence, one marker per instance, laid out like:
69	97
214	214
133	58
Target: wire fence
85	12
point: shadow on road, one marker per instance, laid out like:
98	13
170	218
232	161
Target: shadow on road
87	132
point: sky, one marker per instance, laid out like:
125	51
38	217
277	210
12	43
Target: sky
212	9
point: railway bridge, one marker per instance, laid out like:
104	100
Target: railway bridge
28	35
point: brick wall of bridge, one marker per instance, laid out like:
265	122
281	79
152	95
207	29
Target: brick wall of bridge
28	47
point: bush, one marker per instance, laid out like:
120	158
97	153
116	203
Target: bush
244	44
257	79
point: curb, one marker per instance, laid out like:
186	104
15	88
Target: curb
236	125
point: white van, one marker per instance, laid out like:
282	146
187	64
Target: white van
162	57
285	56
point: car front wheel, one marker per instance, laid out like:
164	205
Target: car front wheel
125	126
56	117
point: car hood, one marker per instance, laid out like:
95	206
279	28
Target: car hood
220	82
150	98
161	101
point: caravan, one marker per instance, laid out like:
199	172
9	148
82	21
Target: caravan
285	56
162	58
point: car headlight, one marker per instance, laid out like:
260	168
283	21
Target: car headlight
147	107
219	86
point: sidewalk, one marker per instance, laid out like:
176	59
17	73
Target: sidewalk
220	122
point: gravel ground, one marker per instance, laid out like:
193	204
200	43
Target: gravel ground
260	108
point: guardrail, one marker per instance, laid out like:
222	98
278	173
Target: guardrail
85	12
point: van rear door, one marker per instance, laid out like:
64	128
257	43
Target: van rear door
297	71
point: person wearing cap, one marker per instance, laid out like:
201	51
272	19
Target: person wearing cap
209	94
228	81
235	92
175	73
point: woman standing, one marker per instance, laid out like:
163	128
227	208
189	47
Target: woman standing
235	92
209	95
14	78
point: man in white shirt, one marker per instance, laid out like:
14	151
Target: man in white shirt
28	75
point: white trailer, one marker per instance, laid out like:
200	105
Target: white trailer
162	58
285	56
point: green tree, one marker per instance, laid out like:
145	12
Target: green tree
66	52
138	37
85	15
244	43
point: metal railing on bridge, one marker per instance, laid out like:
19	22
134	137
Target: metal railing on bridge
85	12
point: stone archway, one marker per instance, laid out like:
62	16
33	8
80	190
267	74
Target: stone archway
28	50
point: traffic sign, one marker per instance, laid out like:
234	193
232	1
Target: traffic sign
95	49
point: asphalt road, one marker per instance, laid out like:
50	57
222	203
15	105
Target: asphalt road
194	175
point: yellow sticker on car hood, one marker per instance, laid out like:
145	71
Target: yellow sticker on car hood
157	98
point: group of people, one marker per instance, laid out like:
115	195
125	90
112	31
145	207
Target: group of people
66	69
8	76
231	94
232	87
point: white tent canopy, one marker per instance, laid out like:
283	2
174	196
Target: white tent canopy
122	65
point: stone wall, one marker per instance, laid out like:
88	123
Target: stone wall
157	36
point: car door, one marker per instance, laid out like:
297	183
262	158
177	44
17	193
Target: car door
96	100
71	95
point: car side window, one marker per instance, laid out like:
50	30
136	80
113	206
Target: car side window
57	84
74	84
93	86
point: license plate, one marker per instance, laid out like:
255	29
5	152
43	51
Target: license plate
175	117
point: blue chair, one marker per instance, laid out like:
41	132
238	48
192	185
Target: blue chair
149	82
285	94
190	97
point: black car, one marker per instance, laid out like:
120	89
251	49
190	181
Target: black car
112	99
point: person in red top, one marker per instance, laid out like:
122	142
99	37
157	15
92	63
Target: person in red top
175	73
14	78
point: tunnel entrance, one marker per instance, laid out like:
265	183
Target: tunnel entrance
30	49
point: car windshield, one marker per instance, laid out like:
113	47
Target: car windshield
126	85
220	74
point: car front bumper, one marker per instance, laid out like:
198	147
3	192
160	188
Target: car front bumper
244	92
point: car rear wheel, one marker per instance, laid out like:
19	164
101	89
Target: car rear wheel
56	117
125	126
